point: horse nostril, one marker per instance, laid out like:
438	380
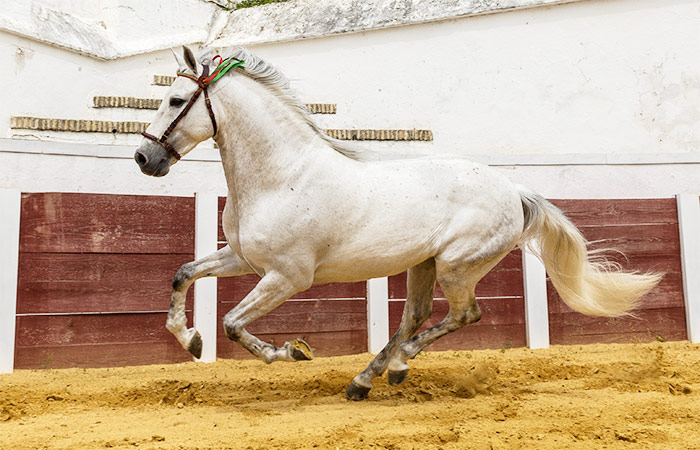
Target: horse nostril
141	159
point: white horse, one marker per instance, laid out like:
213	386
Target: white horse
303	208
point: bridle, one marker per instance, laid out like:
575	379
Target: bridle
203	81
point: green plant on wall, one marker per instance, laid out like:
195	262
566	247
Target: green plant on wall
251	3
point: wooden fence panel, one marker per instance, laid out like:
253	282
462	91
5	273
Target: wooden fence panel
331	327
95	274
500	296
646	232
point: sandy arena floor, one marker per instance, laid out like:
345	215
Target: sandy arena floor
636	396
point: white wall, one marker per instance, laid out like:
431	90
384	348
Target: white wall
592	78
606	76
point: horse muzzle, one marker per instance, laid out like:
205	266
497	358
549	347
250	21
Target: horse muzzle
153	160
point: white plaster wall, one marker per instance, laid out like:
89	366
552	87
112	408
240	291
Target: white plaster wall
588	78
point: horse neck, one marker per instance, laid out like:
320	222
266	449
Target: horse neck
263	143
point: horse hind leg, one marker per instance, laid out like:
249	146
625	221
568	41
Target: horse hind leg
458	284
419	305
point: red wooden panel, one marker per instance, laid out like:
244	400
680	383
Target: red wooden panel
502	325
331	327
307	317
494	311
323	344
98	223
99	266
504	280
661	241
71	330
667	294
647	232
235	288
622	338
93	296
100	355
497	283
585	213
479	338
101	340
567	328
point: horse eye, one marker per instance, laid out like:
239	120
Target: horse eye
176	102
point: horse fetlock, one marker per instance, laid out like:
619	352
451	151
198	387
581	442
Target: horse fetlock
407	350
173	325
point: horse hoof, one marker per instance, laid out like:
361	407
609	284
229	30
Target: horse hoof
397	377
300	350
356	392
195	346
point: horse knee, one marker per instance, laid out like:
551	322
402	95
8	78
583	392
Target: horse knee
183	277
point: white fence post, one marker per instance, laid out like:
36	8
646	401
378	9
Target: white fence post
535	291
689	228
377	314
206	231
10	205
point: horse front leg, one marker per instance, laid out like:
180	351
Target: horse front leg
222	263
272	290
419	306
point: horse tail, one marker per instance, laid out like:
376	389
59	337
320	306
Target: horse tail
586	281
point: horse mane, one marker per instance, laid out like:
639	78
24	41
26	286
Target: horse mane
276	82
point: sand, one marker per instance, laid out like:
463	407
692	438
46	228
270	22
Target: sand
614	396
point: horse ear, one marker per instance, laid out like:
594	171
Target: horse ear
178	58
189	59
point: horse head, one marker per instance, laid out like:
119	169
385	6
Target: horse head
182	121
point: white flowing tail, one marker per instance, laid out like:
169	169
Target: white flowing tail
588	284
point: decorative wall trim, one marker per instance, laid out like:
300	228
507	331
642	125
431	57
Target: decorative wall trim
103	126
380	135
77	125
125	102
154	103
163	80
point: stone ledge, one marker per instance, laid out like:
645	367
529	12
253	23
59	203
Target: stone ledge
303	19
201	21
154	103
102	126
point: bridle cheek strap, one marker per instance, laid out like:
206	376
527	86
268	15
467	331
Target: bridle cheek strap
163	141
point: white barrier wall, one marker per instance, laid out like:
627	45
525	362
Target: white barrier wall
588	99
579	83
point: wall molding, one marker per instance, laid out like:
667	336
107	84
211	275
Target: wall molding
73	149
293	20
101	101
202	22
131	127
